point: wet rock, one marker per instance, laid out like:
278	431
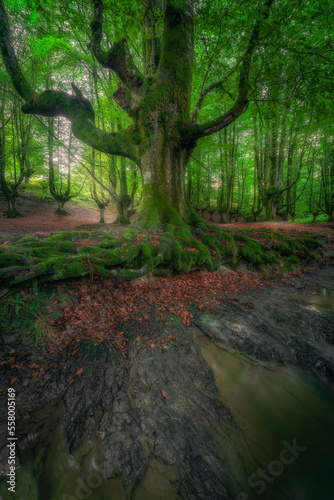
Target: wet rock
282	326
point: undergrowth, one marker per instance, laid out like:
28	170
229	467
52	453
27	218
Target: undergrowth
27	315
307	220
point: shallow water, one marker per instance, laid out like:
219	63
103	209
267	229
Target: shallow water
275	408
322	299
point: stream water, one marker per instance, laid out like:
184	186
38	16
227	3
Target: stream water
322	299
277	409
281	447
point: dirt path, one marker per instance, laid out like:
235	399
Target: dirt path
39	216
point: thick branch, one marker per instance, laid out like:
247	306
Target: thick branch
76	108
210	88
118	58
9	57
81	115
241	103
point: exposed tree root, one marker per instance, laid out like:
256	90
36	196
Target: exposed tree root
134	251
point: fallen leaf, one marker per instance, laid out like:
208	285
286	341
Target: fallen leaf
164	393
79	370
12	380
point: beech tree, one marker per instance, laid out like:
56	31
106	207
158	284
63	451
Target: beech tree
192	70
164	130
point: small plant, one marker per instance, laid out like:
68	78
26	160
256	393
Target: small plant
42	331
27	315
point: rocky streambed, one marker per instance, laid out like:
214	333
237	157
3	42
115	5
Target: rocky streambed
239	406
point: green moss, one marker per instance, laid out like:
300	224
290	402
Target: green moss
203	256
29	239
109	242
213	243
167	245
130	253
226	237
177	256
76	269
254	252
67	247
89	250
313	243
113	257
129	234
158	259
69	236
145	256
11	259
170	230
179	248
183	233
42	252
252	256
124	254
272	235
283	249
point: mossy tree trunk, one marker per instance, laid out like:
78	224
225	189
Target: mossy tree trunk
163	132
23	136
327	177
100	198
8	188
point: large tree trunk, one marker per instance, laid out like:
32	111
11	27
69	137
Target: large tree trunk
163	177
270	208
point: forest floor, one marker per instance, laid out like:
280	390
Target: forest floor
99	310
39	216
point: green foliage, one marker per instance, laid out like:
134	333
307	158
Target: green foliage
307	220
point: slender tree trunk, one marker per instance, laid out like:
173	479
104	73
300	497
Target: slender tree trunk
102	221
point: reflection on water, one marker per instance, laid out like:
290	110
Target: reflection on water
276	408
323	300
159	483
